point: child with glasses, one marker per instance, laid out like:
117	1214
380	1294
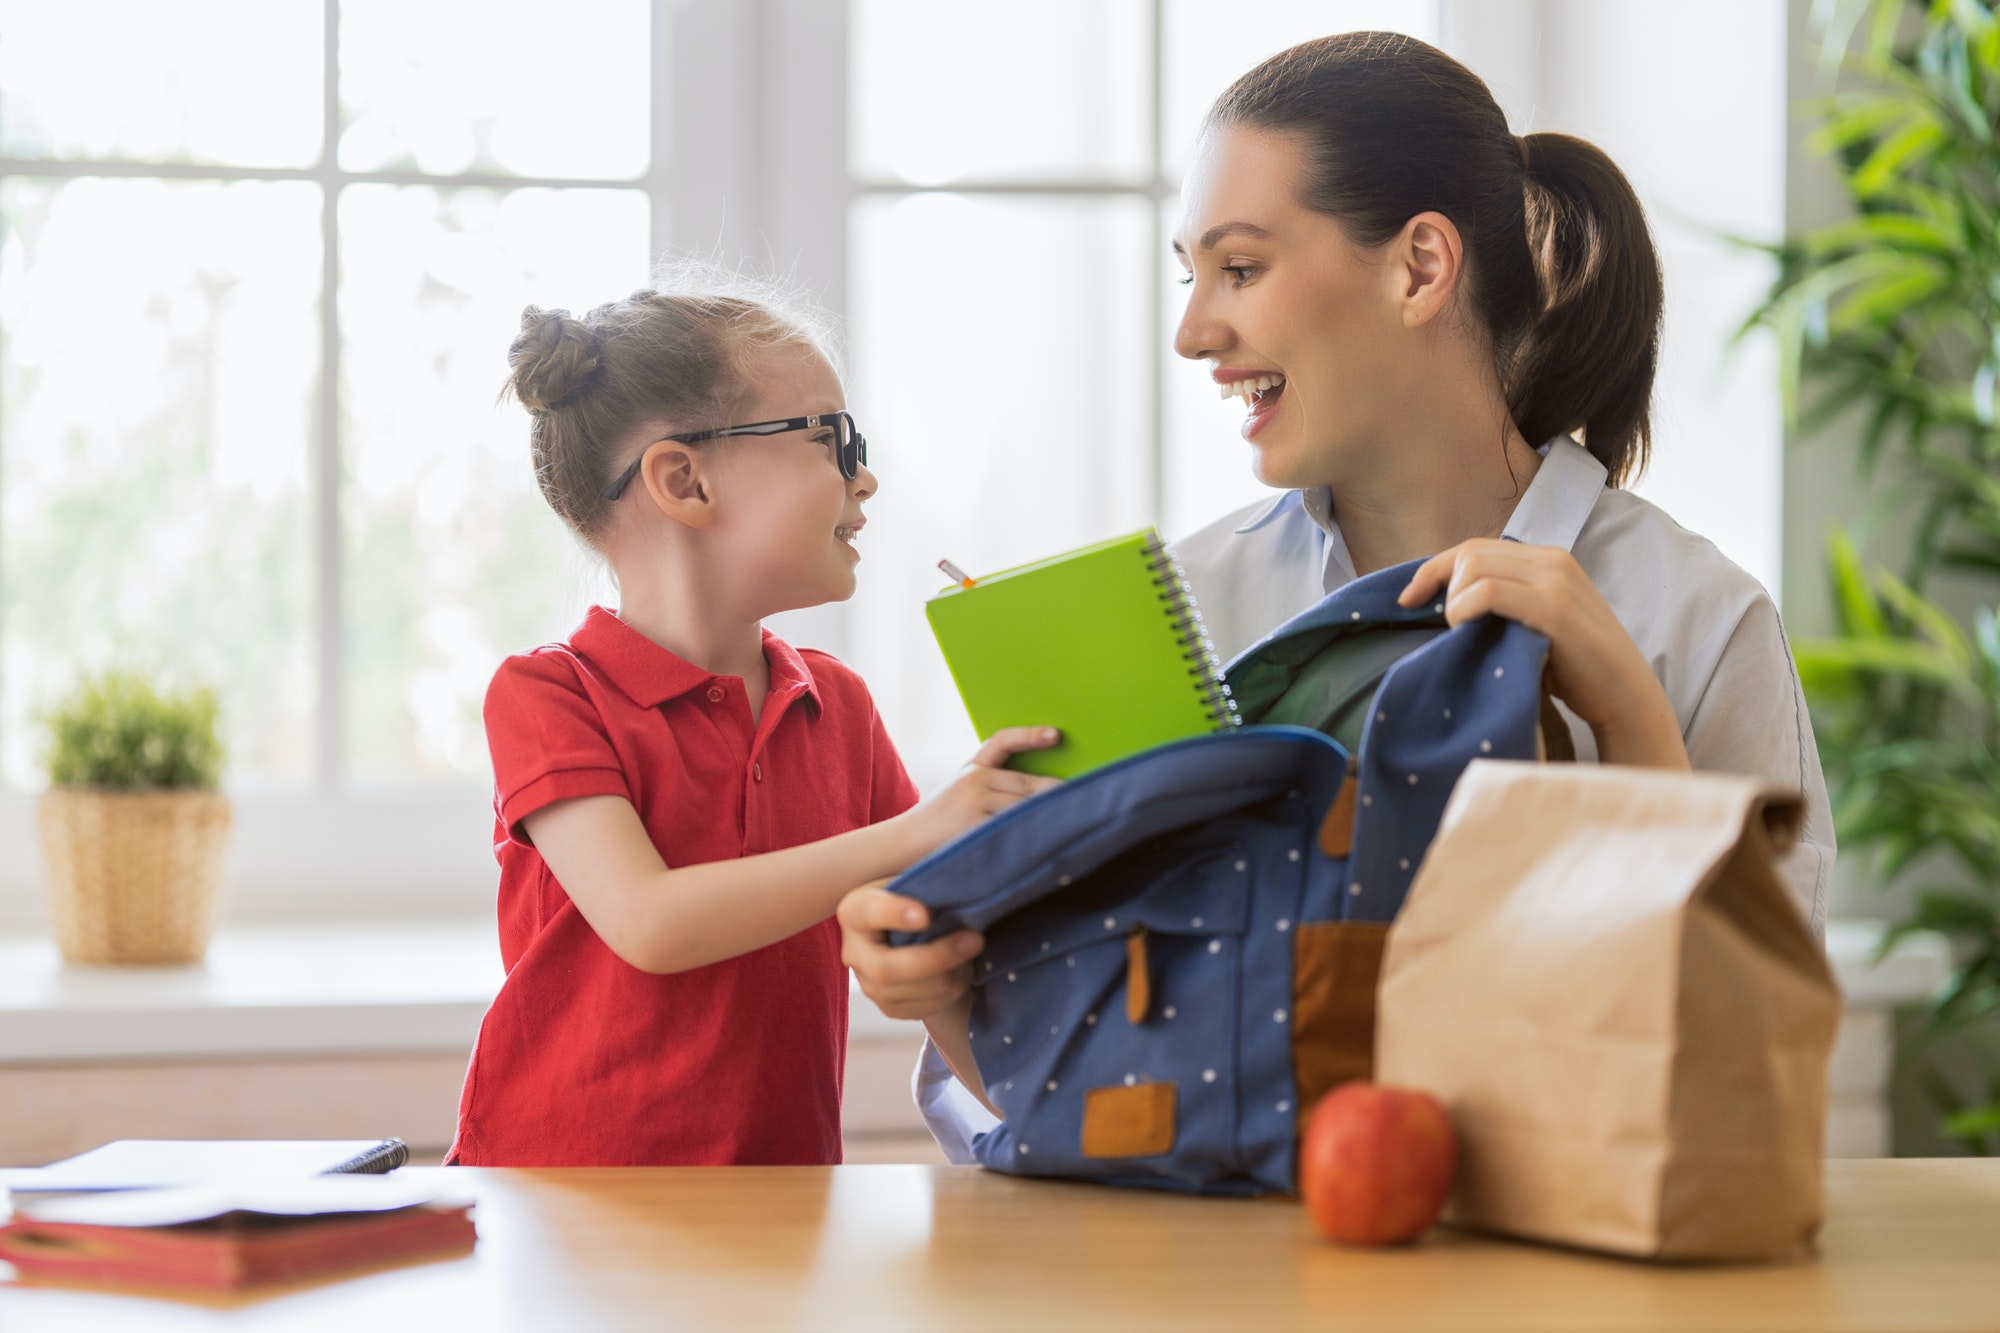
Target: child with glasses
681	797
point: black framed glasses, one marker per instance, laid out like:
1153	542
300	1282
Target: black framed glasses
850	451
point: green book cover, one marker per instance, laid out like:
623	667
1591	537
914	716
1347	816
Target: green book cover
1101	642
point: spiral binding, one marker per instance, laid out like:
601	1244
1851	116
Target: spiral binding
1197	649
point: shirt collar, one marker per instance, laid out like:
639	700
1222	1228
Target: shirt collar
1269	513
1550	513
649	675
790	676
1559	500
1337	568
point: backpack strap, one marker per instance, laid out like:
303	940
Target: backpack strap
1138	978
1336	831
1557	745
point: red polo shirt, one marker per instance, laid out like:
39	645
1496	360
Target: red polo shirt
584	1060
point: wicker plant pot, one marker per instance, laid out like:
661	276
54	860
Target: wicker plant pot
134	877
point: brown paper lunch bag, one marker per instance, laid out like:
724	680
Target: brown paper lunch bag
1600	974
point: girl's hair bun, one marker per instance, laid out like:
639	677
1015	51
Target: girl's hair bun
670	357
553	358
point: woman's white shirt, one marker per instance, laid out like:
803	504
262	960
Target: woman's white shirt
1709	630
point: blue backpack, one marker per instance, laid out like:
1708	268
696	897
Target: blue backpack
1182	947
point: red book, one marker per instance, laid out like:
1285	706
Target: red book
233	1237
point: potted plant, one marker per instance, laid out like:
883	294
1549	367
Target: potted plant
132	827
1894	314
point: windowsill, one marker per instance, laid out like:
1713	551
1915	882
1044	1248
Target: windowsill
334	989
389	989
303	858
1918	966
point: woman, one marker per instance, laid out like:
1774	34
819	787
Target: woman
1445	337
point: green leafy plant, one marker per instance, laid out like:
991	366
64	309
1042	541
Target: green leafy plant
1894	315
118	732
1895	312
1907	707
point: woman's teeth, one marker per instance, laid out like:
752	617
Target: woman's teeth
1248	389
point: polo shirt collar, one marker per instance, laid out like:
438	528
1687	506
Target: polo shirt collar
649	675
790	676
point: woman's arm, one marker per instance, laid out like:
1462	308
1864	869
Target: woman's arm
1594	667
1751	718
672	920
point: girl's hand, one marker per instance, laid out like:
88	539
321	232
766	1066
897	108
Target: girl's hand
1594	667
982	789
919	981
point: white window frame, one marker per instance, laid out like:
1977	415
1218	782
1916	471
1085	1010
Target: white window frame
750	165
334	847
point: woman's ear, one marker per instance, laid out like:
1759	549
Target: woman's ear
1430	261
677	484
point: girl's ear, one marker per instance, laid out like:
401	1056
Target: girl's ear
1429	262
676	483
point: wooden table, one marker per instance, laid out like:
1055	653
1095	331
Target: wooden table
1908	1245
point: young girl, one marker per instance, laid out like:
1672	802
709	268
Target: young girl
682	797
1445	338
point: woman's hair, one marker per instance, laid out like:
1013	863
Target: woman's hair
1560	269
675	355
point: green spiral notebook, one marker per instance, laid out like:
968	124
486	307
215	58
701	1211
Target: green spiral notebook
1103	643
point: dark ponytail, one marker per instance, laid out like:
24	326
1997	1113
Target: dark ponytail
1560	268
1589	358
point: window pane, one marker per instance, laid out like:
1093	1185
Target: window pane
161	355
504	86
1038	90
1007	413
213	81
453	560
1208	48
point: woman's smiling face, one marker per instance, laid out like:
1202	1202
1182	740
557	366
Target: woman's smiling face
1280	297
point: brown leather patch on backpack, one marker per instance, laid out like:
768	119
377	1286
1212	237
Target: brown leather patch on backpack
1335	968
1133	1120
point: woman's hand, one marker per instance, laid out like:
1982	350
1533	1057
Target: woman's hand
979	791
917	981
1594	667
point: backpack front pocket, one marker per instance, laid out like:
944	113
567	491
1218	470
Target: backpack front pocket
1105	1026
1114	1021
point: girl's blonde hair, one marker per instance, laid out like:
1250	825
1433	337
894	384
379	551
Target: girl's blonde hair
678	353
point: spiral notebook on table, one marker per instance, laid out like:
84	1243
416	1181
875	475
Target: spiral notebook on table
1104	643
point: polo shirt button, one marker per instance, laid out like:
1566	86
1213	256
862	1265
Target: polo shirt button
756	772
716	694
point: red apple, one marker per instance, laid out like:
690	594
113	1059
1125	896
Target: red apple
1376	1163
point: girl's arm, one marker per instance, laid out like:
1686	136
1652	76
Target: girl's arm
1594	666
930	981
665	920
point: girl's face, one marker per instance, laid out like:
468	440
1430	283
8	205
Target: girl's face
787	520
1279	296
